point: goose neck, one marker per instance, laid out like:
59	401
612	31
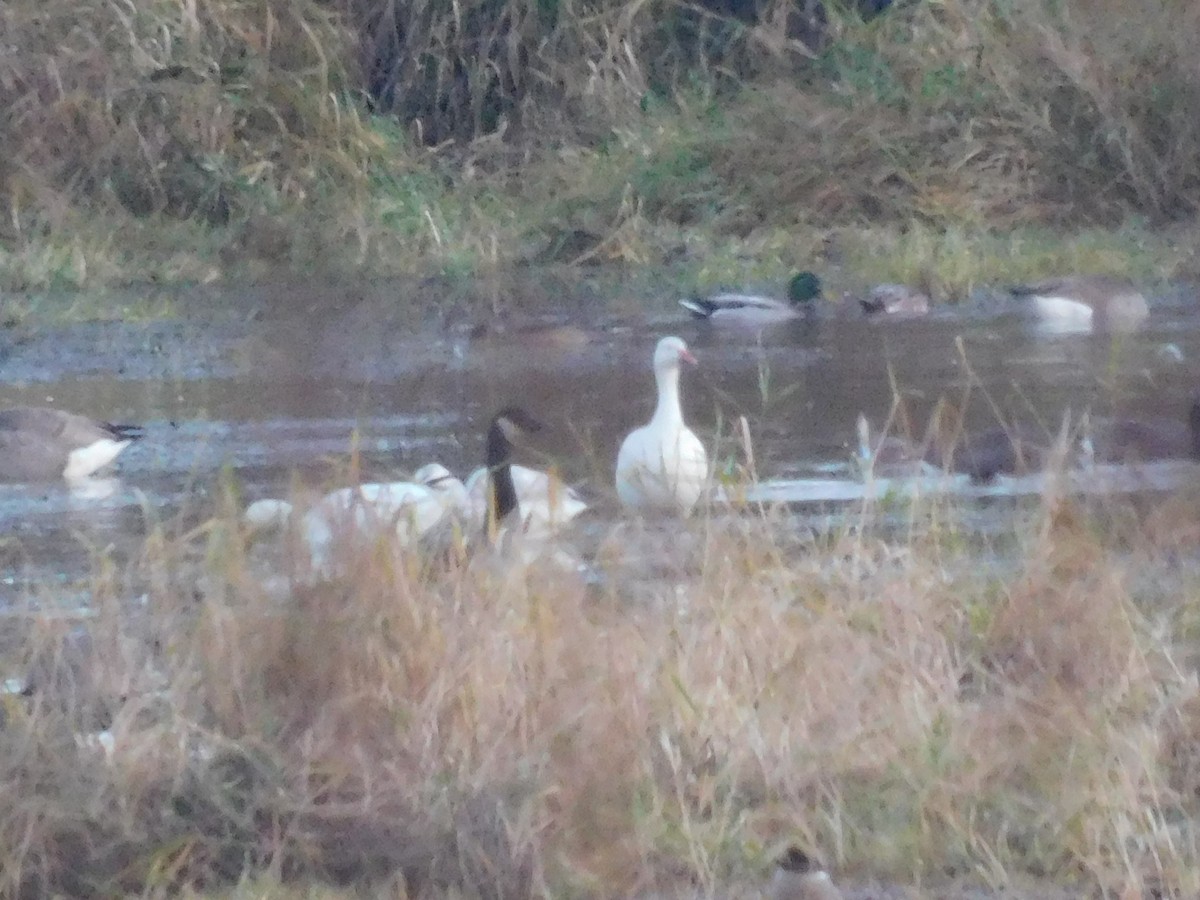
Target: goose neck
502	493
668	411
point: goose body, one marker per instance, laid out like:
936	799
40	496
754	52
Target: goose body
1082	303
514	537
38	443
662	466
756	310
541	496
894	300
400	510
798	878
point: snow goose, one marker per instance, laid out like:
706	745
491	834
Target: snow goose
1082	303
38	443
662	466
755	310
405	510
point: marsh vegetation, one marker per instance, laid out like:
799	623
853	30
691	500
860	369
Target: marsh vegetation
914	699
954	143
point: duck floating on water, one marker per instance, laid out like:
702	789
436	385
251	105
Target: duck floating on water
757	310
1083	303
39	443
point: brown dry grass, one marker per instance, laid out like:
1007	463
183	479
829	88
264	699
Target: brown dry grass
907	708
623	131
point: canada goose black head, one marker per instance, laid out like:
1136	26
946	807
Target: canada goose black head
507	426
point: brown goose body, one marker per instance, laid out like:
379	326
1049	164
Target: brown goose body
38	443
1087	302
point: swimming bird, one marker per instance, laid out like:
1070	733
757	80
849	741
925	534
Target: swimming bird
797	877
752	309
894	300
399	510
38	443
1019	448
540	495
1081	303
662	466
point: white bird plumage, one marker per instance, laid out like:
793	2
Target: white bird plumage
663	466
544	500
405	510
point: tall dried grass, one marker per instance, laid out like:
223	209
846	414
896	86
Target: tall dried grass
174	109
982	113
909	709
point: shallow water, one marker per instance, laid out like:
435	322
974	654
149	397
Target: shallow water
286	394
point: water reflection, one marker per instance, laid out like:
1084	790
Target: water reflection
300	396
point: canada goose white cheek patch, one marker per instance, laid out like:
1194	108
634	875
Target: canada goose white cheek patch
83	462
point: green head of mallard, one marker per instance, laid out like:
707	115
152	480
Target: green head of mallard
804	287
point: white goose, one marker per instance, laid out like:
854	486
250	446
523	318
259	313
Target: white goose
662	466
368	512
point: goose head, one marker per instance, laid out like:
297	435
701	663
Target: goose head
803	288
670	352
507	427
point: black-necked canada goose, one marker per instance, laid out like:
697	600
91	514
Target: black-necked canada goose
38	443
897	300
797	877
756	310
1086	303
503	503
541	496
662	466
518	538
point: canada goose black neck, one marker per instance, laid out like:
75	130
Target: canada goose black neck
502	493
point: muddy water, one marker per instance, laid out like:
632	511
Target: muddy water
283	394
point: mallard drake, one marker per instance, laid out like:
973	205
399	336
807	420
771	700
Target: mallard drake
1081	303
751	309
38	443
663	466
894	300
